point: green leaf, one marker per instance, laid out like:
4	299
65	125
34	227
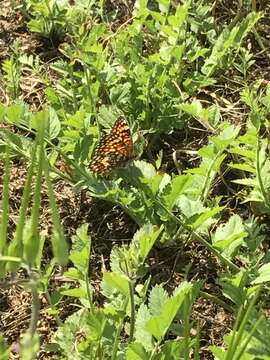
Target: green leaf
32	239
173	349
219	352
74	325
80	252
158	325
234	287
146	169
158	296
199	220
142	336
136	351
50	118
164	5
228	39
16	246
243	167
14	113
117	281
120	94
146	238
174	189
263	274
96	321
230	236
77	292
58	240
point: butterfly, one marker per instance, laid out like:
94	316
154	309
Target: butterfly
114	149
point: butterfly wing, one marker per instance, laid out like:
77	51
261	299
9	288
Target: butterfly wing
114	149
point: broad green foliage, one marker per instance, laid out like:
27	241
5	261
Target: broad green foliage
125	308
167	66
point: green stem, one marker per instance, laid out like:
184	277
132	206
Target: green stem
16	246
186	327
35	307
222	258
216	300
5	212
132	310
119	329
258	170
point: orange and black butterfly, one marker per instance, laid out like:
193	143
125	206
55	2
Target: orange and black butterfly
114	149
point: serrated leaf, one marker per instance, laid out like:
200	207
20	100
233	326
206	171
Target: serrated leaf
141	335
173	190
117	281
147	170
159	324
136	351
264	274
230	236
157	297
80	252
96	322
146	236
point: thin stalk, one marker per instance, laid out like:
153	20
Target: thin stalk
154	351
57	318
58	239
87	280
5	211
222	258
88	290
5	204
32	242
132	310
238	332
186	327
230	349
35	307
196	352
216	300
62	153
16	247
258	170
244	346
119	329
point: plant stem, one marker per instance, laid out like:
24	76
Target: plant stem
258	170
119	329
35	307
132	310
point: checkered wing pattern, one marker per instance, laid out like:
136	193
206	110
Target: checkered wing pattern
114	149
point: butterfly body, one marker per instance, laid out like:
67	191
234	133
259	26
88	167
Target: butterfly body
114	149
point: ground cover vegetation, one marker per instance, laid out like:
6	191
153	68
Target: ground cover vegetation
166	257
